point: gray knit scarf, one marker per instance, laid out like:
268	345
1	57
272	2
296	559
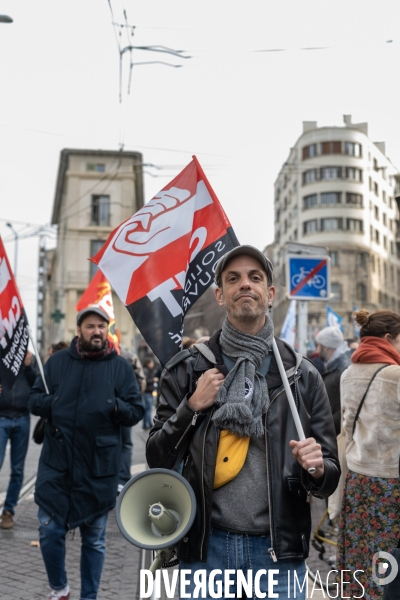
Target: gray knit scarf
243	397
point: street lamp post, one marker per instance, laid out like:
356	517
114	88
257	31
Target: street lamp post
15	248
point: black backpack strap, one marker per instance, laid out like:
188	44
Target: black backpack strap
363	398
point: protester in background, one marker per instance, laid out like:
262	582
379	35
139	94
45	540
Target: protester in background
352	344
57	346
92	393
187	342
316	360
202	339
228	394
15	426
370	518
151	381
126	432
336	354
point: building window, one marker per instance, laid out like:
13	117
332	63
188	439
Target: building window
310	201
354	225
99	168
331	224
361	292
354	199
331	172
310	226
384	241
384	219
309	176
392	248
353	174
384	196
376	236
309	151
95	246
295	234
361	259
331	198
376	189
331	147
375	162
376	212
352	149
334	258
100	210
335	292
390	202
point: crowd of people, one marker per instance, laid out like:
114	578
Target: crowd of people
224	418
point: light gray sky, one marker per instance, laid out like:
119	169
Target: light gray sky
238	109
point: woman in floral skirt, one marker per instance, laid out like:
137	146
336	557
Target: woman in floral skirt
370	517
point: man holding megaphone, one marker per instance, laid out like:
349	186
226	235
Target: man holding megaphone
248	419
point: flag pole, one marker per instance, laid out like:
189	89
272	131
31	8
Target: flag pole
292	404
39	362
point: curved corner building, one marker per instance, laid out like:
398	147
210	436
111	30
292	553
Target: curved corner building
338	189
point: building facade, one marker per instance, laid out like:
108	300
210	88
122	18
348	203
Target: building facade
96	191
338	190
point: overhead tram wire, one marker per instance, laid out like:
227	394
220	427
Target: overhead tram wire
130	31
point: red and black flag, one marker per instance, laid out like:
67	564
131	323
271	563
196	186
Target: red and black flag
98	293
162	259
14	336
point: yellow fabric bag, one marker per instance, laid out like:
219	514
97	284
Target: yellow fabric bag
231	454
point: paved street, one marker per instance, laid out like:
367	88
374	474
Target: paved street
22	572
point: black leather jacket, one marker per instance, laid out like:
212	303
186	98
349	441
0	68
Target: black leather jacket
179	434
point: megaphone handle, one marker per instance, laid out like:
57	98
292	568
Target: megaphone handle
158	561
163	556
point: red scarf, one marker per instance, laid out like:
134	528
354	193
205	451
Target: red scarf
375	350
95	354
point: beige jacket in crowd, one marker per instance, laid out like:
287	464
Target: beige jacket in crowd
375	449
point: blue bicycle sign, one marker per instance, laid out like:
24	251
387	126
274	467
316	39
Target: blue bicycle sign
308	277
318	281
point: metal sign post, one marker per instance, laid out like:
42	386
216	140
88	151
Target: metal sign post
302	325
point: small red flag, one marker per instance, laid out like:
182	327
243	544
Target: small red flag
98	293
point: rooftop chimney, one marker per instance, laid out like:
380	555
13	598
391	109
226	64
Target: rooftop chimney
309	125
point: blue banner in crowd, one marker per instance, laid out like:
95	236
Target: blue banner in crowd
333	319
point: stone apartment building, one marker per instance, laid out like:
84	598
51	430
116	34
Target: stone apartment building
96	191
339	190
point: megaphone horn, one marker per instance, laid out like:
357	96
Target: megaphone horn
156	509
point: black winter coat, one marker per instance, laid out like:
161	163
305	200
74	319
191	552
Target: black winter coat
14	401
88	402
331	377
179	434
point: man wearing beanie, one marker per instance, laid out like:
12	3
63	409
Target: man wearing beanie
224	419
334	350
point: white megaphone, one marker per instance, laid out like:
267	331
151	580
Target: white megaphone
155	510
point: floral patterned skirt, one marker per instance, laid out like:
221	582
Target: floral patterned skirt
369	522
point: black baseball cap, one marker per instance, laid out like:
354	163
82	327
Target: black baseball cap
91	309
239	251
